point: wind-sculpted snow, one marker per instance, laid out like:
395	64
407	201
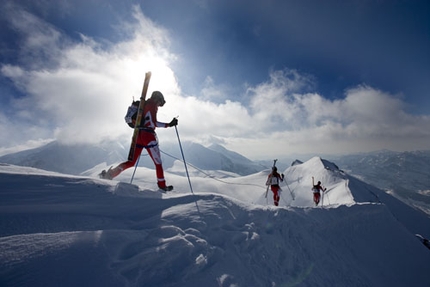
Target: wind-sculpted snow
61	230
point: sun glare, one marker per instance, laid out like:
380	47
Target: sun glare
162	78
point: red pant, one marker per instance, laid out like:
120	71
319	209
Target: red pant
147	140
317	196
276	197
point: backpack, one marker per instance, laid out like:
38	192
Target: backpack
272	180
130	117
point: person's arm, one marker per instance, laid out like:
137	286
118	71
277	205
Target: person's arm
161	124
173	122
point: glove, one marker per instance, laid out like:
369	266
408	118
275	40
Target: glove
173	123
282	176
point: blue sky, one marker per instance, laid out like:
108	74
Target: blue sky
263	78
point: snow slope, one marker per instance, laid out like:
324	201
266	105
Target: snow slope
59	230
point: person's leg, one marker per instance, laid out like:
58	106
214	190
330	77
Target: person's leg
275	190
154	153
113	172
317	198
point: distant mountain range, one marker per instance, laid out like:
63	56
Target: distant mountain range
76	159
68	159
407	174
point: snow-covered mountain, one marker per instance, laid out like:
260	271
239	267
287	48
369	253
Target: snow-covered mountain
62	230
214	157
403	171
78	158
63	158
406	174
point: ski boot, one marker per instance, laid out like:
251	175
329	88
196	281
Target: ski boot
106	174
165	188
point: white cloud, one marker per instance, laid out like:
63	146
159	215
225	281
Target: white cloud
213	92
84	96
366	119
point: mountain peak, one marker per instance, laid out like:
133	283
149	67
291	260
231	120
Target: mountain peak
317	162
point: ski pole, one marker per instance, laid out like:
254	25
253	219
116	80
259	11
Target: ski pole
291	192
322	198
286	203
267	190
328	199
183	157
135	167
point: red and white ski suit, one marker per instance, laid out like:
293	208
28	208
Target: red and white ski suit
317	195
147	139
273	180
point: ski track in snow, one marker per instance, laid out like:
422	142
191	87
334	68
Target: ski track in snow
60	230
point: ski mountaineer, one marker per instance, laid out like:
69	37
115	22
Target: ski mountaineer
147	139
273	180
316	190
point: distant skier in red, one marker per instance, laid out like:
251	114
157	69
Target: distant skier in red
316	188
273	180
147	139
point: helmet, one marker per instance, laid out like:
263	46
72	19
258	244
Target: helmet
158	96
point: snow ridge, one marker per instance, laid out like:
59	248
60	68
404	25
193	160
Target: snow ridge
81	231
